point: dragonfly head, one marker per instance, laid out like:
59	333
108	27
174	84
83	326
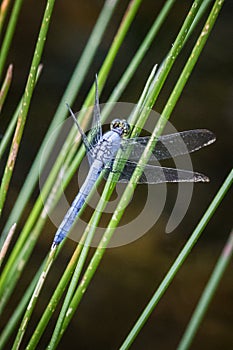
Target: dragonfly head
121	126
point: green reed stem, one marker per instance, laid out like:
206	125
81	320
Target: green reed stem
5	86
10	129
55	299
7	243
144	47
207	295
178	262
16	316
130	70
34	299
10	30
3	13
175	50
26	102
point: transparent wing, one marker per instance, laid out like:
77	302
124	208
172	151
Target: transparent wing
172	145
96	129
86	142
155	174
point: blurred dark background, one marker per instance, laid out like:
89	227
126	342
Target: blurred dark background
128	275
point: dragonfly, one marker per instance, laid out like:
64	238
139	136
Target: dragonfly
102	150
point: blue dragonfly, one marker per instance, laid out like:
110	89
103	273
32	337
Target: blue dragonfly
102	150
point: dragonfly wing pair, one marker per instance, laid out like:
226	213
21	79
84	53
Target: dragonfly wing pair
167	146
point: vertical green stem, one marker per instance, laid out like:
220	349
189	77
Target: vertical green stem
130	70
175	50
26	102
10	129
10	31
5	86
207	295
55	298
15	317
34	299
7	243
3	12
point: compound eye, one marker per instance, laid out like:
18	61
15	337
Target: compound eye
116	123
125	127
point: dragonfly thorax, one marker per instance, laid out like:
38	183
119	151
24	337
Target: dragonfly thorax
107	147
